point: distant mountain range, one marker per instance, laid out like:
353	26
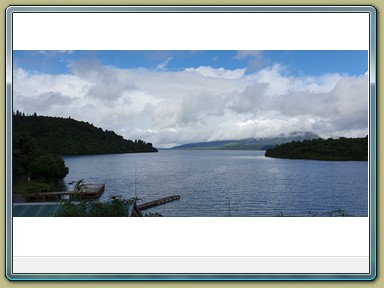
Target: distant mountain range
249	143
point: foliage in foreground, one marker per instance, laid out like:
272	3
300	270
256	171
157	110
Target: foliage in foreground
29	159
115	206
333	213
34	171
33	187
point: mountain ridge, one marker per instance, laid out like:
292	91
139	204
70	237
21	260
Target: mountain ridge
249	143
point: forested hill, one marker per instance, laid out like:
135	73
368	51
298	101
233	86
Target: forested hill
66	136
342	149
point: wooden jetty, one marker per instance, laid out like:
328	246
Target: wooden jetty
158	202
87	191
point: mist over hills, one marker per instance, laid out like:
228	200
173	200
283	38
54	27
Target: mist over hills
249	143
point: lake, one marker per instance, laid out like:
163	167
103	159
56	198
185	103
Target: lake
228	183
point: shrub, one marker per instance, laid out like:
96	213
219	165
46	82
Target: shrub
116	206
49	166
36	187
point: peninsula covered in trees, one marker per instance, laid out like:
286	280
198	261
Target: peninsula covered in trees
66	136
342	149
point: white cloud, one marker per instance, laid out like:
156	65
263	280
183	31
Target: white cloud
163	65
201	104
207	71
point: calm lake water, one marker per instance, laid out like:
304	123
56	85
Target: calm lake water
228	183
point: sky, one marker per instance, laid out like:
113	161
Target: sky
170	98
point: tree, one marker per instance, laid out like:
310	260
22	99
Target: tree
24	151
49	166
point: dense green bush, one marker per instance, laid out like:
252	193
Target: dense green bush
36	187
23	152
48	166
32	170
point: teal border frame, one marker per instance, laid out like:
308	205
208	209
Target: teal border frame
198	9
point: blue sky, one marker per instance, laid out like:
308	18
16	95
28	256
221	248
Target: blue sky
170	98
296	62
